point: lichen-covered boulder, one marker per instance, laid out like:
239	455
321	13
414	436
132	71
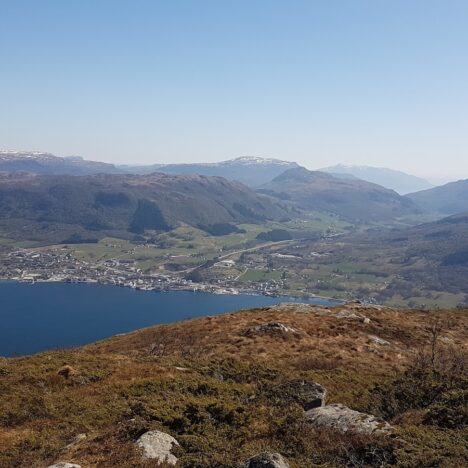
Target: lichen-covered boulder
344	419
158	446
267	460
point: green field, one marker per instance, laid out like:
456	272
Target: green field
192	246
258	276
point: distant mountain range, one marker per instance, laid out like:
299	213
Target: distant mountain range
250	170
352	199
70	209
355	193
395	180
447	199
46	163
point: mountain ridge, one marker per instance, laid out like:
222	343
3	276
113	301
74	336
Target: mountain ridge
110	204
38	162
250	170
448	199
351	199
393	179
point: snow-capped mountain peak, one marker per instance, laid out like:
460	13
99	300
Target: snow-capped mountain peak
257	160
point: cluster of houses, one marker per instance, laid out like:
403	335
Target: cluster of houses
41	266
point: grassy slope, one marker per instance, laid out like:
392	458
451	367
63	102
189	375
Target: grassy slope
216	391
52	209
190	244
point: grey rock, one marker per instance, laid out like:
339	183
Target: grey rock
344	419
64	465
271	328
318	310
378	341
267	460
306	393
347	314
158	446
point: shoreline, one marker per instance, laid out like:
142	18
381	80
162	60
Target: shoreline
55	316
204	288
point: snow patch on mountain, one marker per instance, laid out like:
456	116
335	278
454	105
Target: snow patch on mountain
38	155
258	160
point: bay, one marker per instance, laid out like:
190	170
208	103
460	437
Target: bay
43	316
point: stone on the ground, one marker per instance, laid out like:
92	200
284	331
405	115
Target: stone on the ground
306	393
64	465
158	446
267	460
378	341
344	419
271	328
347	314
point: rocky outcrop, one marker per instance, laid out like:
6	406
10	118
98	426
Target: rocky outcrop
158	446
306	393
378	341
344	419
271	328
348	314
64	465
266	460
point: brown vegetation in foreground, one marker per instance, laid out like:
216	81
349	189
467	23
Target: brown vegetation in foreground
221	389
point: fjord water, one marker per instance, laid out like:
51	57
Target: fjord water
42	316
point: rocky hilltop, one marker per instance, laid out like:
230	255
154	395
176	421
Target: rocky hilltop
283	386
392	179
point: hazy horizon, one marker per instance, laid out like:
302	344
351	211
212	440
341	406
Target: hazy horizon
434	180
362	83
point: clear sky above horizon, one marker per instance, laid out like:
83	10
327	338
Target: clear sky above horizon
381	83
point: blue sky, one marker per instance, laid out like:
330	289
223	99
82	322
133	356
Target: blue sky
372	82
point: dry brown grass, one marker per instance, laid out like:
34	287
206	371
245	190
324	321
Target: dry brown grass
324	339
169	377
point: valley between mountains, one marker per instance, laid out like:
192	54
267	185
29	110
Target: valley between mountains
378	380
290	231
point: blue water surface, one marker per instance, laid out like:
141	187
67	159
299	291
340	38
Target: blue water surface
42	316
